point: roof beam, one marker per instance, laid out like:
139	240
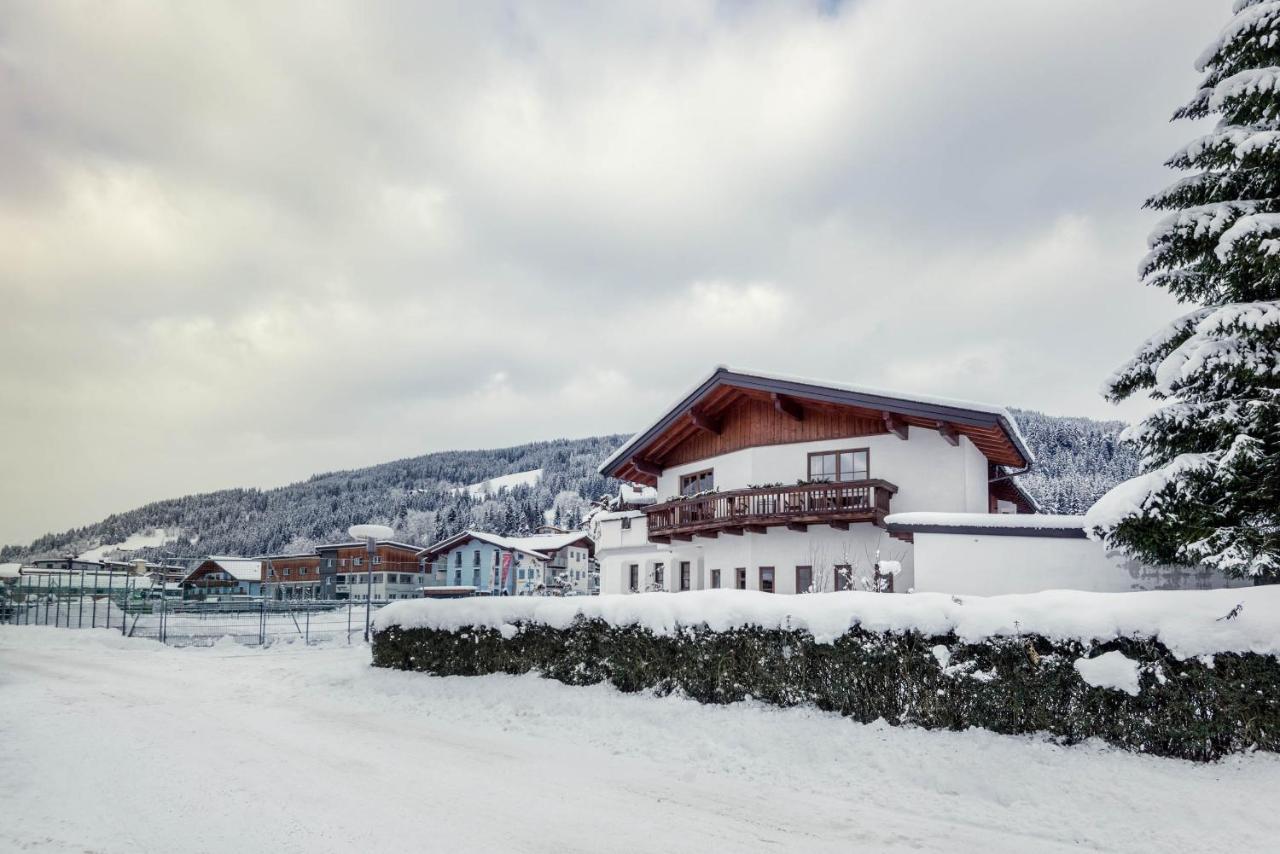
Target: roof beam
797	526
755	529
648	467
949	433
710	535
705	422
735	532
788	406
896	425
684	538
840	526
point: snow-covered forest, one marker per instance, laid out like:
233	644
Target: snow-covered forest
1078	460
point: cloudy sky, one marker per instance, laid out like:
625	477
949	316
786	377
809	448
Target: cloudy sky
241	243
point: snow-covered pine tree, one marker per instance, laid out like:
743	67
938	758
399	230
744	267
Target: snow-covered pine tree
1210	494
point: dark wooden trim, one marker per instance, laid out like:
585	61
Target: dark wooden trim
710	535
755	529
684	538
973	421
896	425
704	422
733	532
660	539
799	527
970	530
949	433
646	466
788	406
840	526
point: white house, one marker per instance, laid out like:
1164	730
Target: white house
485	563
784	485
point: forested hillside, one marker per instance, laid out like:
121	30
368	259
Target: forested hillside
1078	460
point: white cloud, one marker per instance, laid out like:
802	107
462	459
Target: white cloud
245	242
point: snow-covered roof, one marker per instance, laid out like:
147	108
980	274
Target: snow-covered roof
239	568
10	570
946	408
361	544
630	493
1008	524
534	545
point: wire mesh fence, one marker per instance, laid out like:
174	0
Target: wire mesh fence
134	610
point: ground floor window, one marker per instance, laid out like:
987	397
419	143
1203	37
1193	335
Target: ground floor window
844	576
715	579
657	575
742	578
634	578
766	579
804	579
684	575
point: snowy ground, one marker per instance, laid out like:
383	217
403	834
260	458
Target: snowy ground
116	745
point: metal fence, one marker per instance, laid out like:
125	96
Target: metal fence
134	613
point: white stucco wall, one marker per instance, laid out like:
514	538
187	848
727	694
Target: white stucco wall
821	547
988	565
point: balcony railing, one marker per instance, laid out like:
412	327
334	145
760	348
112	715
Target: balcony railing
756	509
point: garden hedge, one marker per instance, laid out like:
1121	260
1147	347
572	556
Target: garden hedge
1198	708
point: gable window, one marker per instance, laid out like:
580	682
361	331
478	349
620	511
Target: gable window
766	579
804	579
684	575
840	465
741	580
699	481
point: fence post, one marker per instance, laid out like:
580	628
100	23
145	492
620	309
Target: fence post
307	637
124	611
348	622
262	621
111	580
80	618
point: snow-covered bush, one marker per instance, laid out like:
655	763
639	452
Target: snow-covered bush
1186	674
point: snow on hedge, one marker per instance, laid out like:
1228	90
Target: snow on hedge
1189	622
1113	670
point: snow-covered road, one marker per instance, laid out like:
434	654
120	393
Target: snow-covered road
114	745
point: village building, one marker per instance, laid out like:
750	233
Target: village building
346	571
784	485
481	563
219	576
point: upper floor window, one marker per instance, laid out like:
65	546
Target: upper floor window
840	465
475	558
699	481
457	558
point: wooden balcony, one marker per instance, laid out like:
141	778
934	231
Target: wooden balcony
756	510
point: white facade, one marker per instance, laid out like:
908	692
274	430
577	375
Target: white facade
930	473
980	564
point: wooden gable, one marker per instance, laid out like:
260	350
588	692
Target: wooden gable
726	417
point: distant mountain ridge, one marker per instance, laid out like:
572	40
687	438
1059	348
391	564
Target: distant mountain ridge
1077	460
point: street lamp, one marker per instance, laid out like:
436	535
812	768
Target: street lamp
370	534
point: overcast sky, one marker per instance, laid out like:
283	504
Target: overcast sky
241	243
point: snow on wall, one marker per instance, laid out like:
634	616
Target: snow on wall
990	565
1189	623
